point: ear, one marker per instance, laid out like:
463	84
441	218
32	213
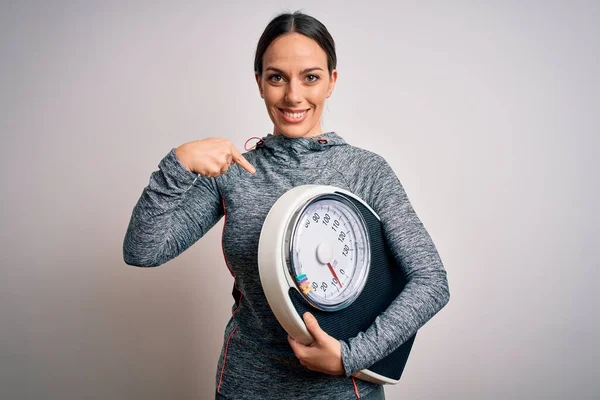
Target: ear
332	80
259	83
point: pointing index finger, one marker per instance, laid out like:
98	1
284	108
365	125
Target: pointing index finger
241	160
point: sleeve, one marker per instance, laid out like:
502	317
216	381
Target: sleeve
426	290
175	210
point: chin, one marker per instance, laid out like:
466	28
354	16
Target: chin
296	131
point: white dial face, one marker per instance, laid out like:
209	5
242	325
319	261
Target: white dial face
330	252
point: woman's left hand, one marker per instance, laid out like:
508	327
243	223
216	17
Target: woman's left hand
324	354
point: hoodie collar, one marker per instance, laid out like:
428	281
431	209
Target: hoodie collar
298	149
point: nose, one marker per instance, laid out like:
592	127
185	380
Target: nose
293	93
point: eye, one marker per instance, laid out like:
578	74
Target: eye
275	78
312	78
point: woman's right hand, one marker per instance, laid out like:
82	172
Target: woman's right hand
211	157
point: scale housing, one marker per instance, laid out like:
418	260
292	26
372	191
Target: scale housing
384	283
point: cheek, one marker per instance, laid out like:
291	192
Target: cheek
272	110
319	95
318	102
272	98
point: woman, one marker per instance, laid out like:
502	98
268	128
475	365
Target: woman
199	182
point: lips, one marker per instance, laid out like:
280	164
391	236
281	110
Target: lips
293	116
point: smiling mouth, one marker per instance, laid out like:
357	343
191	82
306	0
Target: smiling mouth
293	114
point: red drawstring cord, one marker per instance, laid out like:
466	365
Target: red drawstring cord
355	388
257	143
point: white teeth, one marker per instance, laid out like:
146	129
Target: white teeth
294	115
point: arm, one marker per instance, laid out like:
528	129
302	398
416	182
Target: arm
426	290
175	210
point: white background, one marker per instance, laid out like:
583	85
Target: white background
487	111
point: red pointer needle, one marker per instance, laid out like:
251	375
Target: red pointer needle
334	274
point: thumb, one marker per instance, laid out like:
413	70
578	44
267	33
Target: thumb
313	327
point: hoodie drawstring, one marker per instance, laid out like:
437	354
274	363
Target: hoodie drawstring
260	141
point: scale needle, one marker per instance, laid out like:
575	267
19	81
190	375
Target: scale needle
334	274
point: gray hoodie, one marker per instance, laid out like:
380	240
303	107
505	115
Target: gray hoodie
178	207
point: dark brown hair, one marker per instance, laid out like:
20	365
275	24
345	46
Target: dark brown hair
300	23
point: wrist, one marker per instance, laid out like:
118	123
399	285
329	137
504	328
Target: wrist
181	154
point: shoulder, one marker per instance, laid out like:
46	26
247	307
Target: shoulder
351	160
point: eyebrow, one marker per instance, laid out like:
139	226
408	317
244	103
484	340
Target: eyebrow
301	72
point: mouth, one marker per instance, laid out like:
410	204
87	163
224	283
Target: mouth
293	116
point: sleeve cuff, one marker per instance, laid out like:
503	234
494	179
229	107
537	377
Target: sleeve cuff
346	358
174	168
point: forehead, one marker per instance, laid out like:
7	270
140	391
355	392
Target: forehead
294	50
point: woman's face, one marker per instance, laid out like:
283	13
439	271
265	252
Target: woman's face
295	83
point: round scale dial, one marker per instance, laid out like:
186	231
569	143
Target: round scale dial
329	252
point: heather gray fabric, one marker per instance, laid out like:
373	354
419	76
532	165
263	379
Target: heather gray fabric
178	207
377	394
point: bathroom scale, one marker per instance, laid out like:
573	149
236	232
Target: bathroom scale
322	249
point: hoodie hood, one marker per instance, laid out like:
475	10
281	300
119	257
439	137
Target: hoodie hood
298	150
